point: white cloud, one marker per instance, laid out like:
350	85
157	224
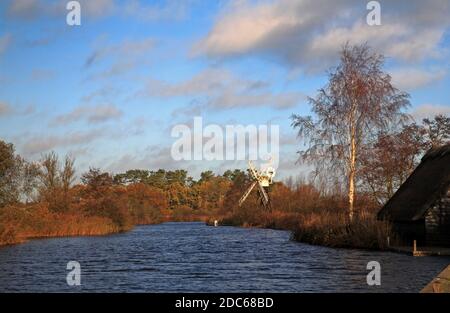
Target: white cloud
26	9
152	158
309	33
92	114
5	109
413	78
221	89
33	9
40	144
168	10
430	110
98	8
5	41
115	59
125	49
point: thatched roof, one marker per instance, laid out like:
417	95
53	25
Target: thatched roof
429	181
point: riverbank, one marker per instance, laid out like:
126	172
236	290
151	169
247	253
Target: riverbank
323	228
19	224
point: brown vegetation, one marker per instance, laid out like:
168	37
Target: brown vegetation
356	141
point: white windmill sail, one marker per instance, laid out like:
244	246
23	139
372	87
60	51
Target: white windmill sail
262	179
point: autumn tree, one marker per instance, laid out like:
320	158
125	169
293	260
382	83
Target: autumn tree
206	176
387	163
133	177
145	203
357	102
157	179
10	169
211	191
240	181
95	179
177	177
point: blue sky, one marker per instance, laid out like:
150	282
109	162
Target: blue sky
109	91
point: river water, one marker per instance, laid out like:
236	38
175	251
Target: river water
193	257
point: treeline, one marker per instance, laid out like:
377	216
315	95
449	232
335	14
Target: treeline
39	199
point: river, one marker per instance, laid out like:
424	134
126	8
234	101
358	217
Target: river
193	257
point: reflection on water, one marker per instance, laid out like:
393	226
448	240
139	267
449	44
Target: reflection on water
192	257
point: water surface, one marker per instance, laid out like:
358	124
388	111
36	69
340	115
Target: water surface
192	257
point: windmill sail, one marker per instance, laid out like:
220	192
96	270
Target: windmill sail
261	179
247	193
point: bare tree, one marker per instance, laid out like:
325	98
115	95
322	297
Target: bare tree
50	171
357	102
67	173
30	179
437	130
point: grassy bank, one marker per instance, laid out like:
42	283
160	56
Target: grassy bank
19	224
325	228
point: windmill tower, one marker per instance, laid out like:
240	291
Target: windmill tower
261	179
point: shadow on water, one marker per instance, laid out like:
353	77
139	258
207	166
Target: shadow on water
192	257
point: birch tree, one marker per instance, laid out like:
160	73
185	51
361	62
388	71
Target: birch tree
358	100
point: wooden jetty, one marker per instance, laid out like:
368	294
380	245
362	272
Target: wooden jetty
422	251
441	284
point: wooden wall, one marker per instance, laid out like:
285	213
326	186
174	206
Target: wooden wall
437	222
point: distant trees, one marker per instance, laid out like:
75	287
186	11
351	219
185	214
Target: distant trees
50	172
206	176
10	173
55	180
133	177
95	179
18	178
358	101
30	180
67	173
146	203
437	130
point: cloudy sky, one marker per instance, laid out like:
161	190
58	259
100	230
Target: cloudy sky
109	91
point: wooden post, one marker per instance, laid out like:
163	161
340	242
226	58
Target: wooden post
414	246
388	241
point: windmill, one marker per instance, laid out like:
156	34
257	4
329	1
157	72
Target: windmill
261	179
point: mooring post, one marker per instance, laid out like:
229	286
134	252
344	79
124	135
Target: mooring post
414	246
